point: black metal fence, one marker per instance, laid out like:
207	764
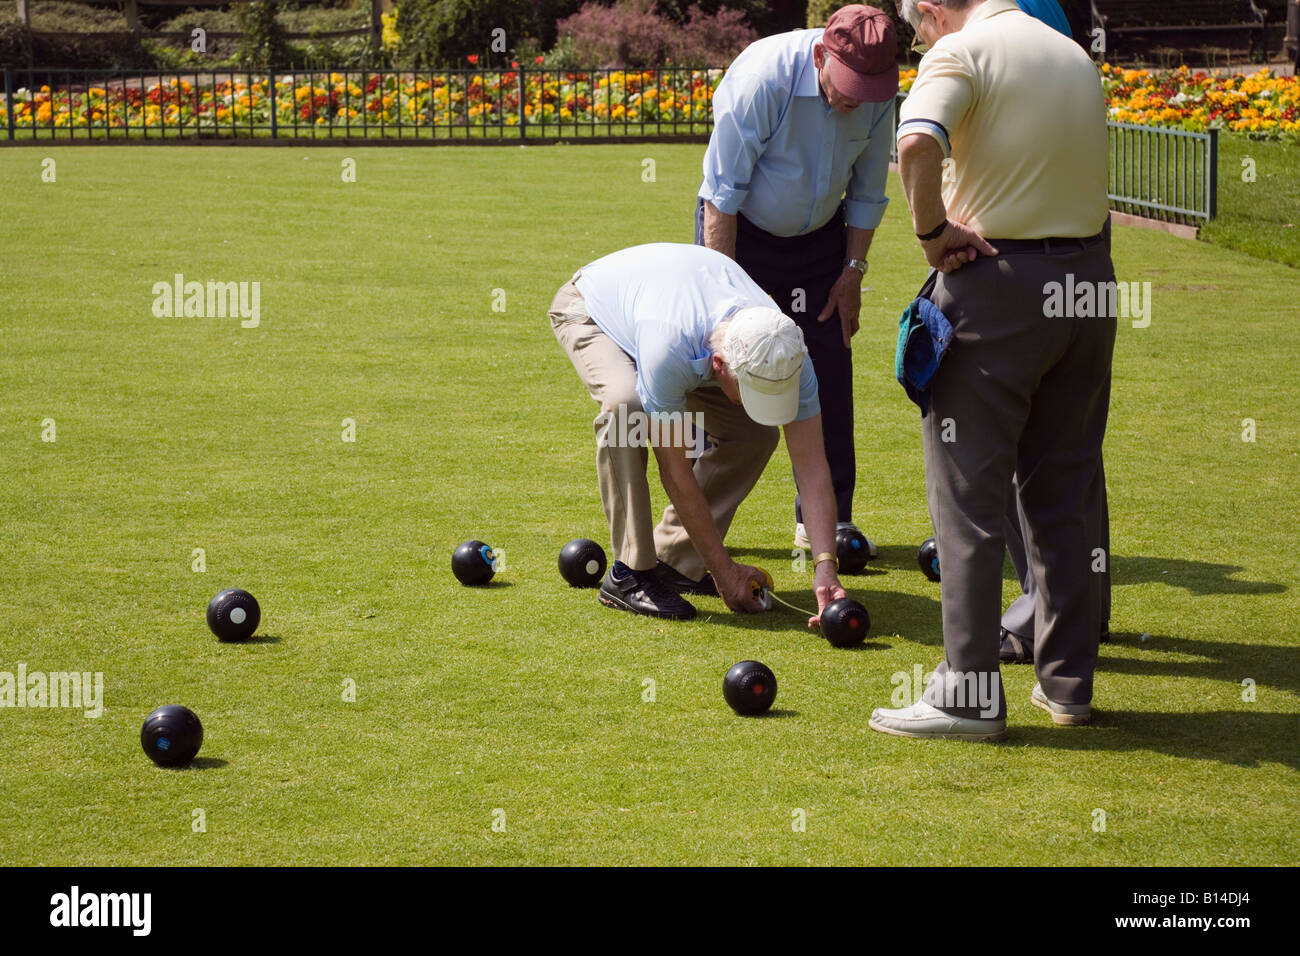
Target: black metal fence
358	104
1156	172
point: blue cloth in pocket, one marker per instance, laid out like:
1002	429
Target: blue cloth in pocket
924	334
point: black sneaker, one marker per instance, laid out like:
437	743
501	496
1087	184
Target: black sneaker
641	592
680	583
1015	649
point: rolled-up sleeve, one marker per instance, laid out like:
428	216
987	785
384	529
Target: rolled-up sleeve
744	116
865	199
939	99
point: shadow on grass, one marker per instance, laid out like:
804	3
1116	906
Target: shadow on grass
910	616
769	558
204	763
258	639
1266	665
1197	577
1239	738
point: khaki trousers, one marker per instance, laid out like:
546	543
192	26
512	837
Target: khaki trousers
735	448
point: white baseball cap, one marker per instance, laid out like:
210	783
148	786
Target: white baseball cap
765	349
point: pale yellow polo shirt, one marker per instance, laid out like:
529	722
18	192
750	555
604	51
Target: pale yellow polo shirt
1019	109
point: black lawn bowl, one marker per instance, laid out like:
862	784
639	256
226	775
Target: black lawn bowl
474	563
582	563
233	615
171	735
845	623
749	688
852	549
928	559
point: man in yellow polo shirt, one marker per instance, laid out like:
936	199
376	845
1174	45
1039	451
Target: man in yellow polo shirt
1002	150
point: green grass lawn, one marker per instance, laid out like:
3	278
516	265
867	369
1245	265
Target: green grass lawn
1259	199
526	696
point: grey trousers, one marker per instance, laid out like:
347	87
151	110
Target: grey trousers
1026	395
1018	618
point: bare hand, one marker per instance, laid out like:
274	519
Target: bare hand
736	587
846	296
957	245
827	588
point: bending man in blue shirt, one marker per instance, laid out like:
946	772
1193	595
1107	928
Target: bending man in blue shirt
688	356
794	188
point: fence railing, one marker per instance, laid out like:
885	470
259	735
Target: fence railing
345	104
1166	174
1159	173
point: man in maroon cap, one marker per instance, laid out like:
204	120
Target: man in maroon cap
794	188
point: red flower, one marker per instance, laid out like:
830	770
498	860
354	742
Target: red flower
514	64
473	58
539	59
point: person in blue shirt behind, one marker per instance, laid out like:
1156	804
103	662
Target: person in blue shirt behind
794	189
1050	12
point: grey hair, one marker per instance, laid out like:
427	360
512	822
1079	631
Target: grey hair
912	13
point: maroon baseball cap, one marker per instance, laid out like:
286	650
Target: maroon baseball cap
863	53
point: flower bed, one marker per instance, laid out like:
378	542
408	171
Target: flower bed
1260	105
334	100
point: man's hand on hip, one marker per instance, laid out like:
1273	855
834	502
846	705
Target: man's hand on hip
957	245
846	296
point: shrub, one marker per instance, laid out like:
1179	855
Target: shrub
633	33
630	33
712	39
819	11
263	42
443	33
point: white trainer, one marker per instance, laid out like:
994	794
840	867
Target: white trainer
926	720
802	543
1067	715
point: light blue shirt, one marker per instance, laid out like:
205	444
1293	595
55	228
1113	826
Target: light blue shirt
1050	12
781	155
660	303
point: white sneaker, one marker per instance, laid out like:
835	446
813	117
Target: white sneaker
926	720
802	543
1067	715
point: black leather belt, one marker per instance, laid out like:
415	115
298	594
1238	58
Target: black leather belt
1047	247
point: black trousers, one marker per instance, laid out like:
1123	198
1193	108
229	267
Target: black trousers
798	273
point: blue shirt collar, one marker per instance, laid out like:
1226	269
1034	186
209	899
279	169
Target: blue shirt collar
805	83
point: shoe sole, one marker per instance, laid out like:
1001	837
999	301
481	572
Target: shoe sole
617	604
1063	720
980	738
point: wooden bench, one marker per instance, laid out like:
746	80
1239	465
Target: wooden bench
1121	18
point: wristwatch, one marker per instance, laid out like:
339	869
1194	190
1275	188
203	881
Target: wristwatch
859	264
